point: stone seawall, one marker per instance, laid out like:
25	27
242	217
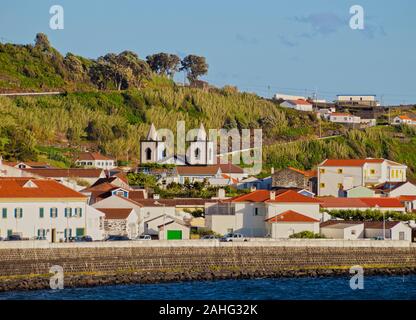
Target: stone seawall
22	269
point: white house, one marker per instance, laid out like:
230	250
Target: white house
285	224
282	96
95	160
404	120
47	209
216	171
346	118
347	230
358	99
248	214
300	105
337	175
352	230
73	178
395	189
174	230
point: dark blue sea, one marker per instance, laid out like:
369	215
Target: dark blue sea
332	288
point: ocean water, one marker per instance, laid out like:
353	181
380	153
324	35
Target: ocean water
324	288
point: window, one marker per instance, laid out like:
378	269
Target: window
322	185
68	212
78	212
353	231
321	170
18	213
372	171
164	153
54	212
67	233
340	171
148	153
340	186
41	212
256	211
4	213
41	233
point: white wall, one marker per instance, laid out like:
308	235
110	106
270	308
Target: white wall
31	222
283	230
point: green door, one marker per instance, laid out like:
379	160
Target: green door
174	234
80	232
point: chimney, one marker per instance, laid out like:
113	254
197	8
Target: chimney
272	195
221	193
253	188
272	170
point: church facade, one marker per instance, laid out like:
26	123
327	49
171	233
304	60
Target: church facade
200	150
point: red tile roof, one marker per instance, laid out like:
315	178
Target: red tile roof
92	156
209	169
46	189
349	162
286	196
330	202
116	214
300	102
66	173
291	216
306	173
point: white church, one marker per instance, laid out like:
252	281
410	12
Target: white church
200	150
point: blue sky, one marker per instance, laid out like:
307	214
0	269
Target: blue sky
262	46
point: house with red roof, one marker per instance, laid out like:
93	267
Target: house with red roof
95	160
45	209
404	119
297	104
376	203
337	175
252	214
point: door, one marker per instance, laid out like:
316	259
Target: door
174	234
401	235
53	235
80	232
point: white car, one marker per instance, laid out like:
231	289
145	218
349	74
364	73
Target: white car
230	237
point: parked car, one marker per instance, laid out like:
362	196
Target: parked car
144	237
209	237
83	239
230	237
117	238
14	237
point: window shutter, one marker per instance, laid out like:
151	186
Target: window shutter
4	213
41	212
66	212
80	212
15	213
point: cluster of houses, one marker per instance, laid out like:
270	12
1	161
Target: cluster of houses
38	201
366	109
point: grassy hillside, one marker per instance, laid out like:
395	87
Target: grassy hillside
55	128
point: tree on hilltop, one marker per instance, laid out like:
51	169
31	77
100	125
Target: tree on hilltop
164	63
194	66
